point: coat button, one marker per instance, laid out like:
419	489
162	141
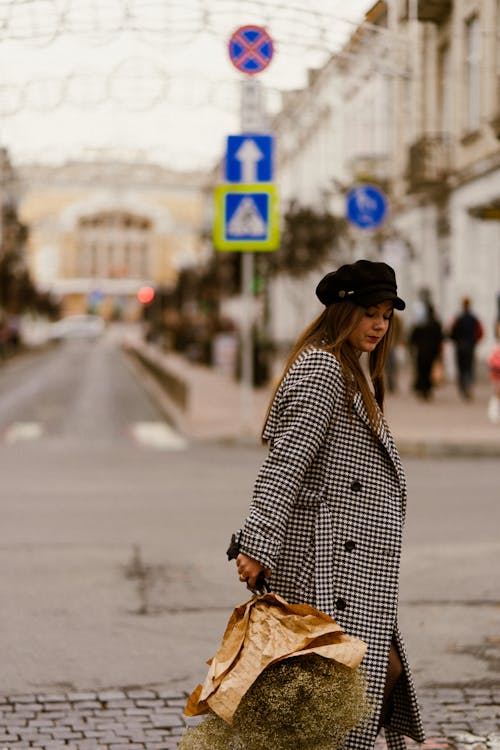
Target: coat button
341	604
356	486
350	545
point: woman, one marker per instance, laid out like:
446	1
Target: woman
426	340
494	368
327	514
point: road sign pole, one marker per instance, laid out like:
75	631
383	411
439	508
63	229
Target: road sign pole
247	368
247	272
250	50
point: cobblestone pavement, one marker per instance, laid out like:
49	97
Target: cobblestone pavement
151	719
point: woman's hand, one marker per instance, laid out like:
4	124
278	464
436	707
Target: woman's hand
249	570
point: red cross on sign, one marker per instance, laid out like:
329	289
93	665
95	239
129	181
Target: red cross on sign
251	49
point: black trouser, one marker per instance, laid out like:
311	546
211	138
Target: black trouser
465	367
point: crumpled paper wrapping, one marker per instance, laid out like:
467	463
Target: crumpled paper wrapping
262	631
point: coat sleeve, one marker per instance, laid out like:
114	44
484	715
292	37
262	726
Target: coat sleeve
306	407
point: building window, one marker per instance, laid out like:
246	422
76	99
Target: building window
473	74
114	244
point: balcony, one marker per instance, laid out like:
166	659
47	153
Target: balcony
433	11
428	162
370	168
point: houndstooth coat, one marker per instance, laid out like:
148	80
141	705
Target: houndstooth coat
327	518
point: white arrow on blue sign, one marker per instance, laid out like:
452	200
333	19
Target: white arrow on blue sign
249	158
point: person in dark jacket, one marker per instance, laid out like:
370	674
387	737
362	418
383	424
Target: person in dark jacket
325	524
465	332
426	340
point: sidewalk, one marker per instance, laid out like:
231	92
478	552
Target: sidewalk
149	718
216	407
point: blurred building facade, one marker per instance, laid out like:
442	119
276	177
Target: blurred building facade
101	231
411	104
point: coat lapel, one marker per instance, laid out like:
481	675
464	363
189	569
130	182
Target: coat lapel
383	435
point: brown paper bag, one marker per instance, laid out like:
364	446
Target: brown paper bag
262	631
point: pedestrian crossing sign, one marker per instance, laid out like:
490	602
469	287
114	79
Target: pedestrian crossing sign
246	217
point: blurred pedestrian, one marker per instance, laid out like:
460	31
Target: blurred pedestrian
426	339
494	368
4	336
329	500
395	355
466	331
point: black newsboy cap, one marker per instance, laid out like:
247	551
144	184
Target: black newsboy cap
365	283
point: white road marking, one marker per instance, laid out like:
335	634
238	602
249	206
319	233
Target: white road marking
23	431
158	435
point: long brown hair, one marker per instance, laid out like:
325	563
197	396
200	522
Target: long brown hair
330	331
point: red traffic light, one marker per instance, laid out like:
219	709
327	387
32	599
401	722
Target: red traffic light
146	294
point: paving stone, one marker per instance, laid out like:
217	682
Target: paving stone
66	734
81	697
76	726
137	694
5	738
178	730
111	695
14	721
109	712
55	706
89	734
119	703
169	695
24	714
465	738
30	698
85	705
450	695
91	745
168	721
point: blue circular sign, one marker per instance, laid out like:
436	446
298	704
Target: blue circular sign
251	49
366	206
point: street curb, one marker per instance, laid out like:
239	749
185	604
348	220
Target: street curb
442	449
157	390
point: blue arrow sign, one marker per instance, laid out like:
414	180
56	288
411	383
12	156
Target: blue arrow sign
249	158
366	206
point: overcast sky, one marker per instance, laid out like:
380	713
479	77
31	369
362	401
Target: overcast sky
75	83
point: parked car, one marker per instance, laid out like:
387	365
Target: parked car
78	326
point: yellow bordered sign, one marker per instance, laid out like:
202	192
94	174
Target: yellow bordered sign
246	217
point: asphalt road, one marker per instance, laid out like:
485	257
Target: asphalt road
113	532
